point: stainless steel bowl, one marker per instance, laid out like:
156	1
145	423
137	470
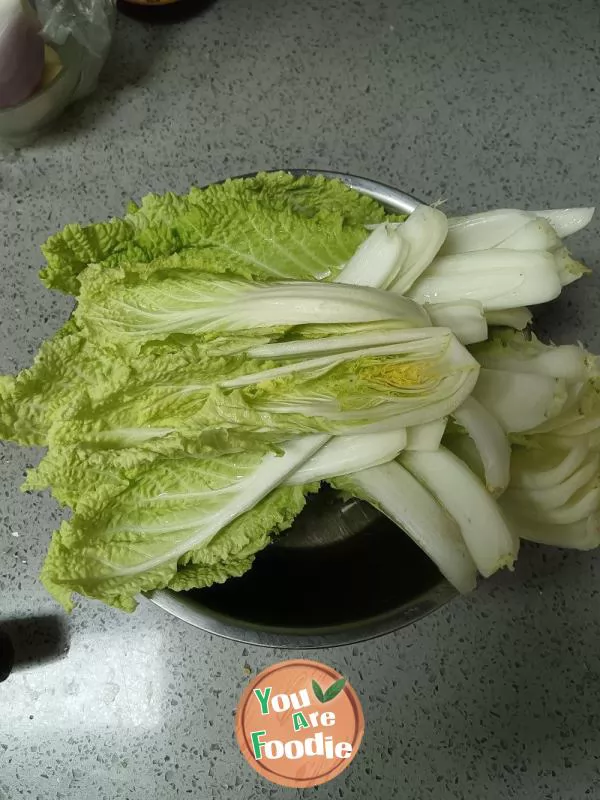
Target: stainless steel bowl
342	574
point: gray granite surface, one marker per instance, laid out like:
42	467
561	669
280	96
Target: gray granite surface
481	103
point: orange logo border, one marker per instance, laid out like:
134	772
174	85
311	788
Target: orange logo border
243	735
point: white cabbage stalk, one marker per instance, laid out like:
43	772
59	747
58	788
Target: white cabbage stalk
484	230
537	234
496	278
488	229
377	261
555	489
491	543
325	331
580	427
424	233
345	454
575	392
581	535
583	503
398	495
553	497
343	343
567	221
581	410
570	412
554	440
545	468
464	448
426	437
490	441
515	353
387	424
465	319
520	401
578	417
517	318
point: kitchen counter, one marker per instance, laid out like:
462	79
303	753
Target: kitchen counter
479	104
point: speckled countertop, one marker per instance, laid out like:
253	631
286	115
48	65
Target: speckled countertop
484	104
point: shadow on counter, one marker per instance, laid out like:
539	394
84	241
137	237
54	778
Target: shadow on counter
31	641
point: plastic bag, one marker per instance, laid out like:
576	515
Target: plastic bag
90	23
79	33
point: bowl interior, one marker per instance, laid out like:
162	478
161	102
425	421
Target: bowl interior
342	563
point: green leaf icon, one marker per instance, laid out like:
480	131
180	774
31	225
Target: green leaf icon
334	689
318	692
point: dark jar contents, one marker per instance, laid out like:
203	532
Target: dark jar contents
162	10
